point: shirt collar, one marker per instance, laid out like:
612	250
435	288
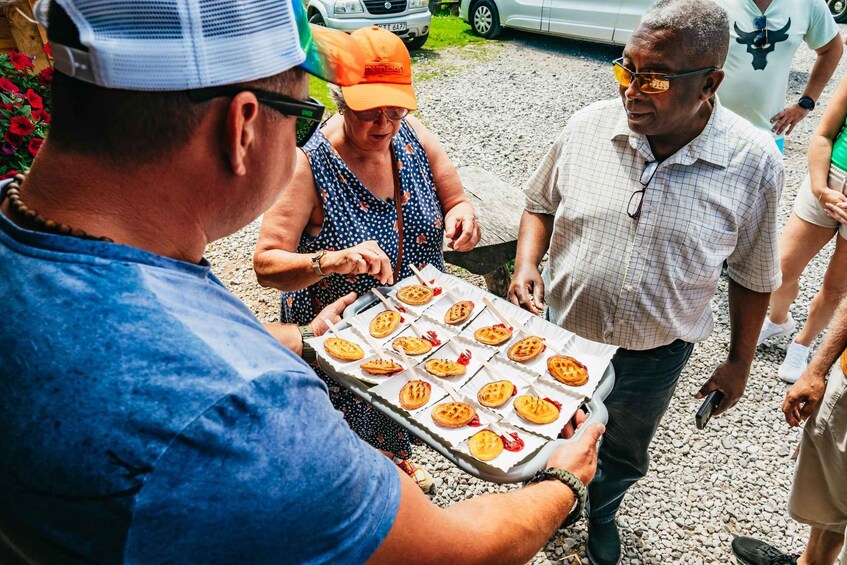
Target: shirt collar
711	146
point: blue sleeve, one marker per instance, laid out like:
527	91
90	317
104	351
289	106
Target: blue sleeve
271	474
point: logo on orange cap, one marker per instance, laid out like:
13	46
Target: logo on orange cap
376	69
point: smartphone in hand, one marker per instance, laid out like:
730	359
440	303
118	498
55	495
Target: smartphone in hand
713	399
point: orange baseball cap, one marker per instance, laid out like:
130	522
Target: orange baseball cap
388	72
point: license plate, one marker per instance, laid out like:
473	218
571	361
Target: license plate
394	27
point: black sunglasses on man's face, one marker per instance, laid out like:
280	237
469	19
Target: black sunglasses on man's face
308	112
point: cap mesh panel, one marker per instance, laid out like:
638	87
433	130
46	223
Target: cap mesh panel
184	44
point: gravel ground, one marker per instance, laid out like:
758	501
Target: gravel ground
500	105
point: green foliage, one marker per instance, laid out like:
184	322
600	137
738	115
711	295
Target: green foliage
449	31
319	90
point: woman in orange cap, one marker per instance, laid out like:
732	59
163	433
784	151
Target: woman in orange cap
373	193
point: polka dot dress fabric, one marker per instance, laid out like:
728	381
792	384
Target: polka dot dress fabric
352	214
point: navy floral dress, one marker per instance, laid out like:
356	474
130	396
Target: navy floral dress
352	214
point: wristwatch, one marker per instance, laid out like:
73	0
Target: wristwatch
316	262
308	354
571	481
806	103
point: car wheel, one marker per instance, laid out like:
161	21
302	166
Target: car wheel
838	8
485	19
317	19
417	42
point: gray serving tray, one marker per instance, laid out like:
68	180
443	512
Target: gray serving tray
596	414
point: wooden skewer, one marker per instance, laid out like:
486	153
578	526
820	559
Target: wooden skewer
489	371
454	395
420	277
497	314
385	301
407	361
518	328
332	328
374	345
453	296
454	347
551	348
495	427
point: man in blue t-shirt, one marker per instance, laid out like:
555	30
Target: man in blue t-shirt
148	417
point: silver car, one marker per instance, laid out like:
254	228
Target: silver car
409	19
606	21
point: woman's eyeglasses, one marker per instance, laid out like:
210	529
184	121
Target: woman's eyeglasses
392	113
307	112
636	201
651	83
761	37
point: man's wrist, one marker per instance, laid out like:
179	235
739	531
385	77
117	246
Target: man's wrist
807	103
572	482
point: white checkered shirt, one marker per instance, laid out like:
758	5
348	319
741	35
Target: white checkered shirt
643	284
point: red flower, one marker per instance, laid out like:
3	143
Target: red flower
45	77
9	174
19	60
48	50
421	239
35	101
13	139
34	145
40	115
8	86
21	125
7	107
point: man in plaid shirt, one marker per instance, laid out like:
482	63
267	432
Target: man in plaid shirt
639	202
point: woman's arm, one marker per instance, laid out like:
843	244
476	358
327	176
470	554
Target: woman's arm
820	146
276	262
460	224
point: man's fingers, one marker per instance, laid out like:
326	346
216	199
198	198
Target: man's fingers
538	295
512	295
704	390
580	417
346	301
591	435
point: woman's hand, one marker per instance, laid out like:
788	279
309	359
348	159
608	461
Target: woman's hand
828	196
367	258
461	227
834	204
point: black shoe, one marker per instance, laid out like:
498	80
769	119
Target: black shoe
750	551
604	544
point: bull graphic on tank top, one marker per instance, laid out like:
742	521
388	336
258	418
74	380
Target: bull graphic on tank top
760	52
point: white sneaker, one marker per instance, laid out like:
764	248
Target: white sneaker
796	359
769	329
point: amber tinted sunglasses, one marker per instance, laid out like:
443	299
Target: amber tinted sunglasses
651	83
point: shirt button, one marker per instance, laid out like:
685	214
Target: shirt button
629	288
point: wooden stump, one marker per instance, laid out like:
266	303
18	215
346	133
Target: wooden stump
17	31
498	209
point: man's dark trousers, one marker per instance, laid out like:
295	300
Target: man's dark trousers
644	384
